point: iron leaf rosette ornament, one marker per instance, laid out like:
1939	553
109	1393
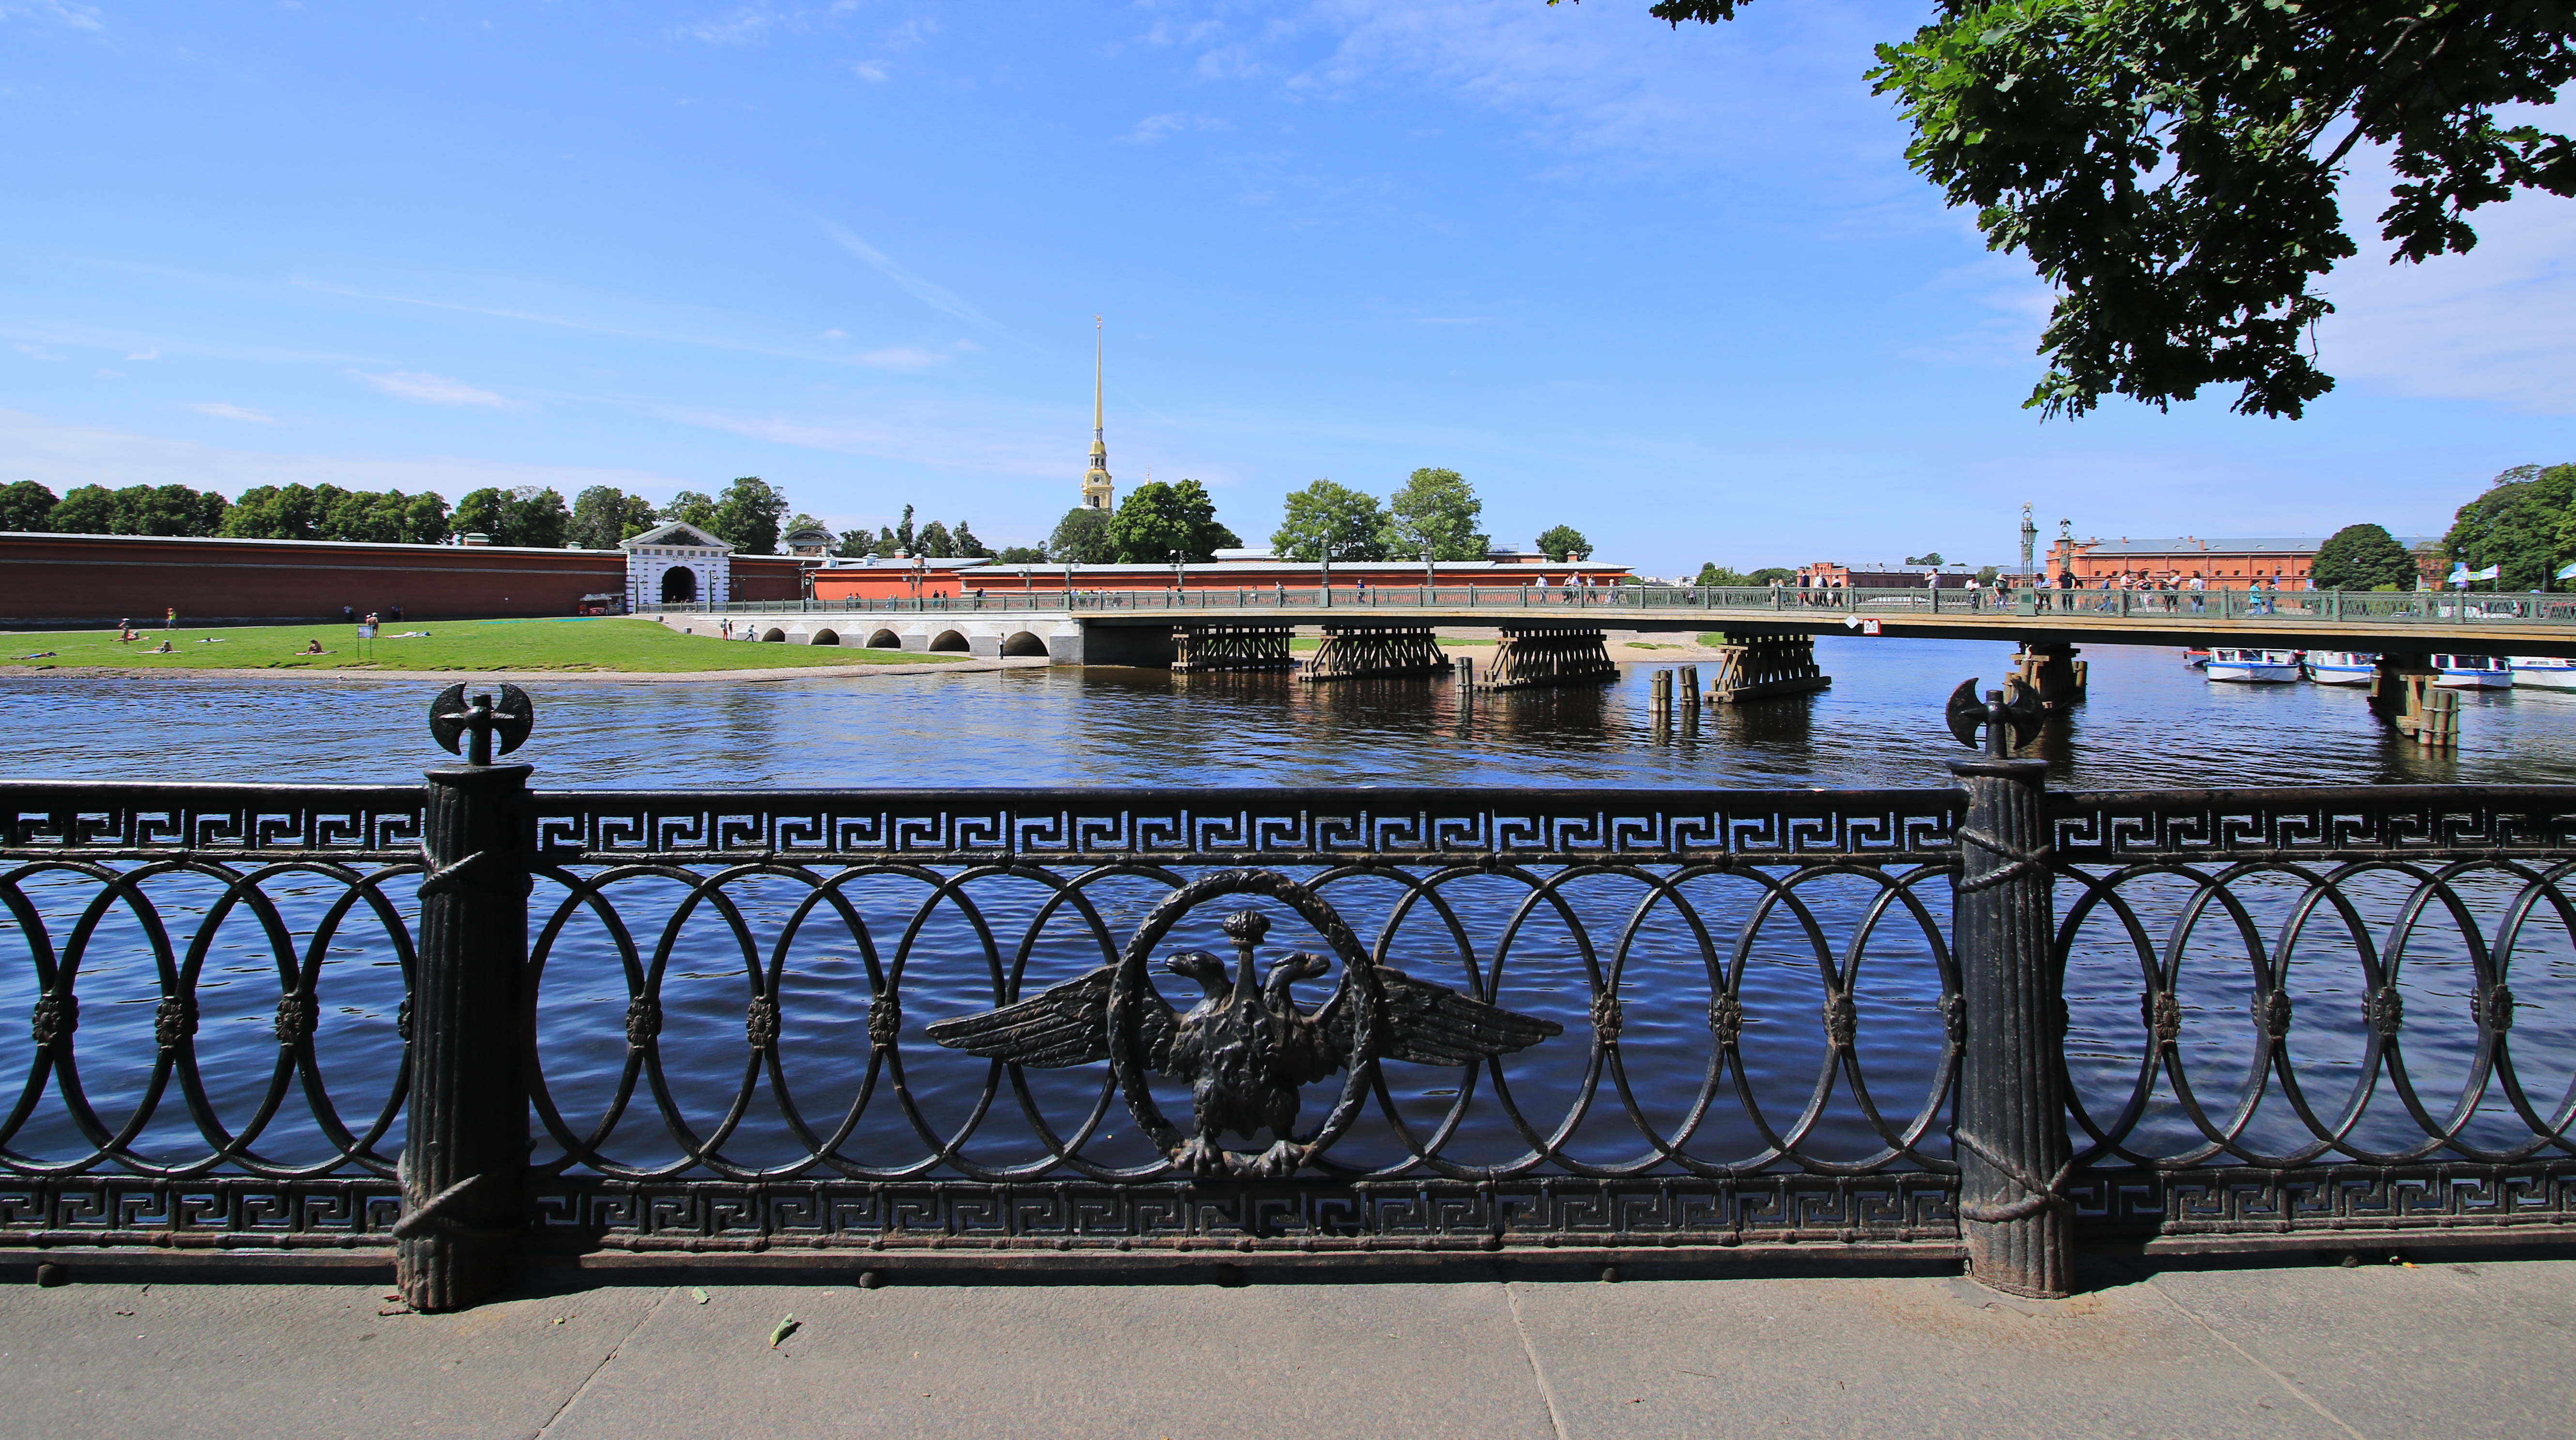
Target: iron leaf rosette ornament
1246	1049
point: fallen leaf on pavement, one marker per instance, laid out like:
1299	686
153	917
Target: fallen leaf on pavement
785	1328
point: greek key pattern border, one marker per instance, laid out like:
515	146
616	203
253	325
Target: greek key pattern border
1224	826
2428	822
104	821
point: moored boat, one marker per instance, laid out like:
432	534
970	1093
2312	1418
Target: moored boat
2342	667
2261	667
2196	659
2542	672
2472	672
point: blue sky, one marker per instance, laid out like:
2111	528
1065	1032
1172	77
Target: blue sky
1674	288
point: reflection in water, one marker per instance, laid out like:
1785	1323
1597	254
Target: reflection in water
2150	721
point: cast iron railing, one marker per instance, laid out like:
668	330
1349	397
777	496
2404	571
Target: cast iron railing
471	1020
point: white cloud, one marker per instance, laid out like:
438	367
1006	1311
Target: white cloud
148	352
63	456
221	410
902	357
435	390
69	15
870	71
746	26
937	297
1157	127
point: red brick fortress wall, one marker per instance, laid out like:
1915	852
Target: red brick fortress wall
100	579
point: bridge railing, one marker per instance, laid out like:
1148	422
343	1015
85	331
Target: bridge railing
2429	608
469	1021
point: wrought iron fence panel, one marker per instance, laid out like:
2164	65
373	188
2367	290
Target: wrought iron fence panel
1591	1016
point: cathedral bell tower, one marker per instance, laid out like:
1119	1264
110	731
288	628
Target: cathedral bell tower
1096	487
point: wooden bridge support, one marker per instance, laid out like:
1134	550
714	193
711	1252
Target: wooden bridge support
1200	649
1766	668
1530	655
2052	673
1369	651
2402	693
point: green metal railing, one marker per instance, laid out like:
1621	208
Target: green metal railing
2317	606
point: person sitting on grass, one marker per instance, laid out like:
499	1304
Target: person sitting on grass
163	649
314	648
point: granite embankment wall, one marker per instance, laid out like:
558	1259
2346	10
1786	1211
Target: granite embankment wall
63	580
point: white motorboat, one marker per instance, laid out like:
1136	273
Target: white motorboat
2342	667
2542	672
2472	672
2261	667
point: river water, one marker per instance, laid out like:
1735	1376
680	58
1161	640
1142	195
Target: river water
2150	722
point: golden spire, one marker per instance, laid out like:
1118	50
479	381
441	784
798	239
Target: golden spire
1096	488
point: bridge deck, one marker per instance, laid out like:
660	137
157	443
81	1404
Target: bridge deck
2405	624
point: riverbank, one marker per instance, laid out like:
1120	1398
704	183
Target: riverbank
556	648
2462	1344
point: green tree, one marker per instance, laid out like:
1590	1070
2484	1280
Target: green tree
279	512
2518	525
1713	573
604	515
1769	573
537	517
484	512
1020	555
1081	538
1558	541
139	510
1437	510
934	542
425	519
968	547
856	544
2171	168
748	514
1156	519
26	505
904	538
1932	557
689	507
1326	519
2362	557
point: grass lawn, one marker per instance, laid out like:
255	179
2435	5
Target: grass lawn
610	644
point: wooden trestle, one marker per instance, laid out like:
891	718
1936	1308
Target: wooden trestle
1367	651
1766	668
2052	673
1549	655
1200	649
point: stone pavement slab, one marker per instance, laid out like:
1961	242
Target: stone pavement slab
2451	1348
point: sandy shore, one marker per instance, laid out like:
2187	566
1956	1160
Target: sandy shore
612	677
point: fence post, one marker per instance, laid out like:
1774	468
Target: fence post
2011	1127
465	1147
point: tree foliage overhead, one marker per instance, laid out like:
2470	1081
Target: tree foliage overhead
2525	523
2363	557
1328	520
2170	166
748	514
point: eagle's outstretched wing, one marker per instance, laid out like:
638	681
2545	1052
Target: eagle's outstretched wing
1068	1025
1425	1023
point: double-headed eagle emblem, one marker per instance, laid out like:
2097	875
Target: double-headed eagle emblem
1245	1048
